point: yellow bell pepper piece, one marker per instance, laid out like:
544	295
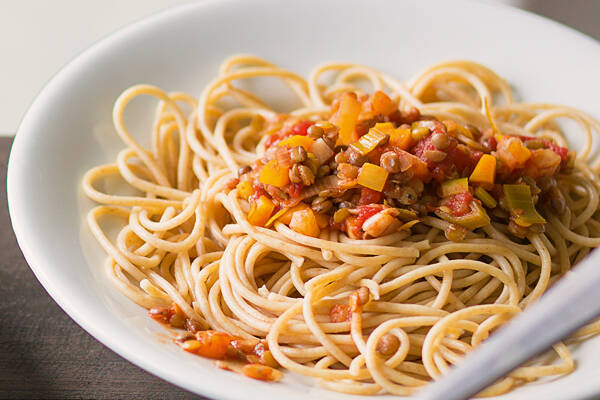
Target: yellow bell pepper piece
485	170
372	176
260	211
274	174
244	189
298	140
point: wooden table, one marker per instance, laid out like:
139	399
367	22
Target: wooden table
43	353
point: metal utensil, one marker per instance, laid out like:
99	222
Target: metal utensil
570	304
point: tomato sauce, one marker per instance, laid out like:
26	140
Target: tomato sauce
459	204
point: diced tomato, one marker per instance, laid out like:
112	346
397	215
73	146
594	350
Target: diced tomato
492	143
301	128
459	159
365	212
459	204
211	344
295	190
257	193
369	196
272	140
464	159
563	152
543	162
161	314
353	224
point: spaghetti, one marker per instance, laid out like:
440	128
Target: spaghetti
366	240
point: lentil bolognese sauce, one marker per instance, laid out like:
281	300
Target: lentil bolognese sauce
369	239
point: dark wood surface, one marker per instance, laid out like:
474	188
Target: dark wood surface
43	353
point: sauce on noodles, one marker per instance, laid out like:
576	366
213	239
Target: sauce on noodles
369	239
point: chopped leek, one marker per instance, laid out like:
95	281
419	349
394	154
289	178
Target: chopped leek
520	204
370	141
455	186
485	197
474	219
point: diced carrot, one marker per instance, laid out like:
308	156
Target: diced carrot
485	170
382	104
298	140
372	176
244	189
260	211
305	222
274	174
346	117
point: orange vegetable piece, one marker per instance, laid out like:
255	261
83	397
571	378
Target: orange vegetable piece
286	217
372	176
346	117
402	138
244	189
261	372
512	152
382	104
260	211
485	170
209	344
305	222
322	220
298	140
274	174
543	162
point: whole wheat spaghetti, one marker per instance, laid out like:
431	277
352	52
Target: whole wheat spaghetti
369	239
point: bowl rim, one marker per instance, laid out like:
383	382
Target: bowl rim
24	136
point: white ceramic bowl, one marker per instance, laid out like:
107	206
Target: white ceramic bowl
68	130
